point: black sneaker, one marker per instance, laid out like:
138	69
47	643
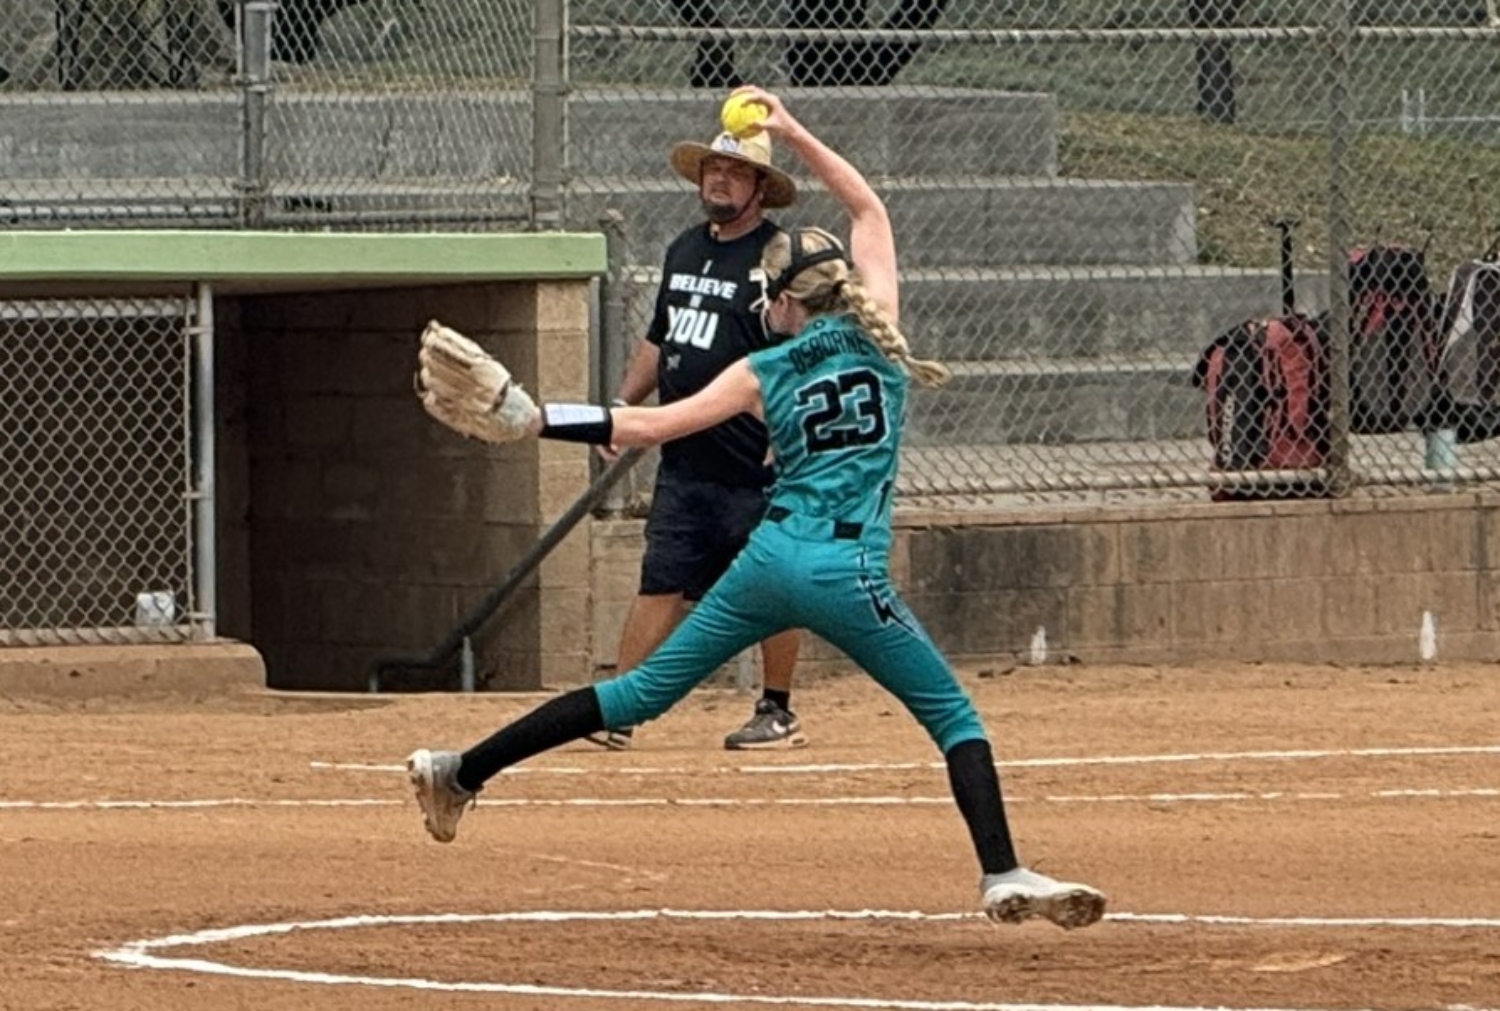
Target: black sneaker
770	727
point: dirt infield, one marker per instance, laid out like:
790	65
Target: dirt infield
1298	838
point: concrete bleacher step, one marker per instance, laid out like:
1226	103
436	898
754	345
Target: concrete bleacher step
1060	401
125	202
1060	314
949	222
1117	470
887	133
1085	311
96	136
480	135
1056	355
1011	476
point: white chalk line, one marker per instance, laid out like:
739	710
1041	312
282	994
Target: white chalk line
1023	763
804	769
140	954
638	872
186	805
1424	793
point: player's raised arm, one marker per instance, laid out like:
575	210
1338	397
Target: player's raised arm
872	245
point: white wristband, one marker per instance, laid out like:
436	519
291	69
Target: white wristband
577	423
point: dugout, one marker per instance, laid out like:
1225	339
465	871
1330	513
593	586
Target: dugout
215	469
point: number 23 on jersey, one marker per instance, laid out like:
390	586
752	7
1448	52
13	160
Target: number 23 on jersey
842	411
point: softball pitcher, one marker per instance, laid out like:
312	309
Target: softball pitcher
832	396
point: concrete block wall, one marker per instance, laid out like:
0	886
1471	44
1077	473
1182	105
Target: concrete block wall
372	530
1312	582
564	581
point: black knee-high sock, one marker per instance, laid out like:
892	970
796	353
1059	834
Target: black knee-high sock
976	788
554	722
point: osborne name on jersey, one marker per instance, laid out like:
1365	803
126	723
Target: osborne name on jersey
810	352
695	285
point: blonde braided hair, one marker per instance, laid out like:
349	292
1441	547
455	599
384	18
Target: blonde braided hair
833	286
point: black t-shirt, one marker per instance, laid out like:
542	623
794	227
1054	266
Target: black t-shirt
703	323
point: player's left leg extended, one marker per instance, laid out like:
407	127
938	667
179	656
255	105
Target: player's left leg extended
864	616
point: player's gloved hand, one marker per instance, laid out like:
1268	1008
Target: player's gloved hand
464	387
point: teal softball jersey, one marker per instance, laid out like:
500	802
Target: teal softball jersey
819	560
835	425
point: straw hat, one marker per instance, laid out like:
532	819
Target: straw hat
687	159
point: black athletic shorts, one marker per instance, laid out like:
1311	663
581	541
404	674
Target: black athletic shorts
693	532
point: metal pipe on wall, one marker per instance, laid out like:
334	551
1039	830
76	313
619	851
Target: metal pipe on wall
613	351
253	74
1340	39
548	108
205	532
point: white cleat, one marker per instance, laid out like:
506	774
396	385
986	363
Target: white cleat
434	779
1024	895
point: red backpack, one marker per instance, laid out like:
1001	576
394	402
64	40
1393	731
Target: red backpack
1266	383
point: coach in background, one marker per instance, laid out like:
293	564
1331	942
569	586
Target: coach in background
710	487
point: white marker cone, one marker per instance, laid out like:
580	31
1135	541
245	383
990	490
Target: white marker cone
1039	646
1427	639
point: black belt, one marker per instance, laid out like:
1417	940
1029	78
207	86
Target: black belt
842	530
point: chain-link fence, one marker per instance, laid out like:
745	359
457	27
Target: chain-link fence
1085	193
1125	227
298	114
96	493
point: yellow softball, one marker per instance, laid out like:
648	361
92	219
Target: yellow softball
741	115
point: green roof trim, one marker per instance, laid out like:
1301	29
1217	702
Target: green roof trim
267	257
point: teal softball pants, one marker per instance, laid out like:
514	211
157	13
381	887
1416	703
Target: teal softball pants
837	589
